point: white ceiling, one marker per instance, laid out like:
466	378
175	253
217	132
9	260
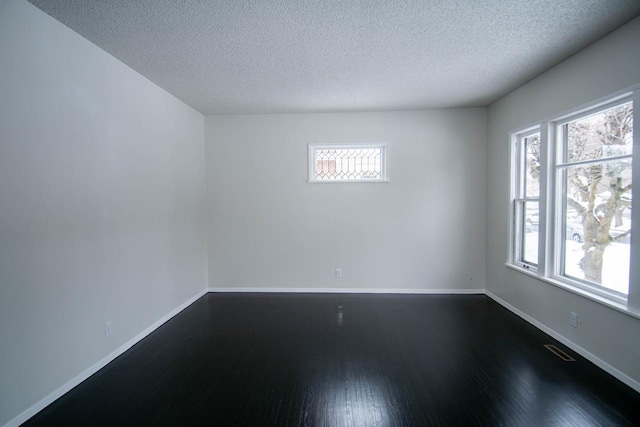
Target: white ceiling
252	56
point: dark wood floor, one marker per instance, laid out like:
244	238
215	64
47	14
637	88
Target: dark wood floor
346	360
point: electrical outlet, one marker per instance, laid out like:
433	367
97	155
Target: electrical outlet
574	319
107	329
338	273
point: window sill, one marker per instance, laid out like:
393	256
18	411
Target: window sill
578	291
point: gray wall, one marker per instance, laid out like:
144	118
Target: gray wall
607	67
101	205
423	230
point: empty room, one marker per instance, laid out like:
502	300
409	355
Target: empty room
319	213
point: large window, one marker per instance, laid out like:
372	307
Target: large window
348	163
594	164
571	199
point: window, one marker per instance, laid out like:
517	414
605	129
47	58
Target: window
347	163
571	197
526	202
594	162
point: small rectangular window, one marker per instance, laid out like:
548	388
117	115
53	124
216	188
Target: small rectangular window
526	206
348	163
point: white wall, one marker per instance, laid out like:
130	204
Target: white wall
609	66
268	227
101	204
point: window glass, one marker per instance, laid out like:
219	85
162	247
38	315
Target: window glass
604	134
532	166
596	193
530	234
347	163
526	205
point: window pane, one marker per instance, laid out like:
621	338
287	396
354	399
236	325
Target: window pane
532	166
530	233
348	164
605	134
597	223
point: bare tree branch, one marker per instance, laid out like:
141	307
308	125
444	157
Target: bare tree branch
577	206
600	207
620	236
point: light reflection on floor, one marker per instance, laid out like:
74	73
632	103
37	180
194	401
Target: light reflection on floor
356	401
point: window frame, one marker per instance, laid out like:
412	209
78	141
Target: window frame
560	191
551	202
519	199
311	161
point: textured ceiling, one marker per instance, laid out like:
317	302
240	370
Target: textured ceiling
252	56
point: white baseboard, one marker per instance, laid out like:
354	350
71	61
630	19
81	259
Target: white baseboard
349	291
37	407
573	346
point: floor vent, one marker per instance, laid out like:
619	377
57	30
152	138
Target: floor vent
561	354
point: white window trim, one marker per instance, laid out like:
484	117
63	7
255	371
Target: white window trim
549	251
384	161
514	197
557	234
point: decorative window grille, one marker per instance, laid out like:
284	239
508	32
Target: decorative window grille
347	163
